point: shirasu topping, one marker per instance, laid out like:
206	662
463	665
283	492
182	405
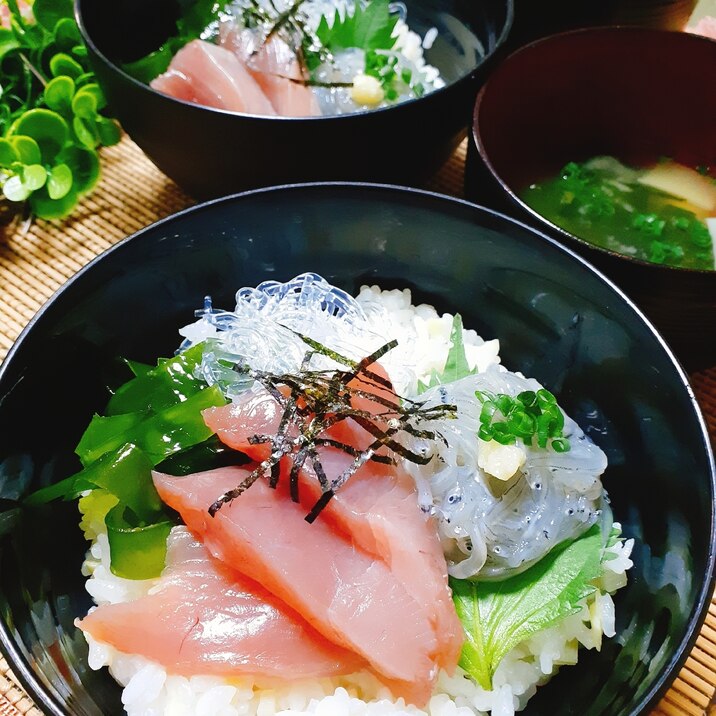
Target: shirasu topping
494	527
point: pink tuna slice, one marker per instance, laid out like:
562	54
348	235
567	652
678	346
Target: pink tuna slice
346	594
377	506
273	65
213	76
205	618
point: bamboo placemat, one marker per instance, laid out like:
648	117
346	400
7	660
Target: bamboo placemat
36	259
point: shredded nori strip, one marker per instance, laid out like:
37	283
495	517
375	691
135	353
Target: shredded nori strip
319	399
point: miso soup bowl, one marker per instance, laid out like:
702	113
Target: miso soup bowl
557	319
636	94
210	152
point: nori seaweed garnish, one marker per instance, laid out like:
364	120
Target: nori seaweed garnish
317	400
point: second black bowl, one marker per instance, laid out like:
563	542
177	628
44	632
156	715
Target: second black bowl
210	152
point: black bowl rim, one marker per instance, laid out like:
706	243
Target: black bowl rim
36	689
509	191
300	120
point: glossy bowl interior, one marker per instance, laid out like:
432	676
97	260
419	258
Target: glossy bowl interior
635	94
557	320
211	152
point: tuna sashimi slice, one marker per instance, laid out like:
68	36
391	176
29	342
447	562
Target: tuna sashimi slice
275	68
213	76
346	594
205	618
257	412
377	507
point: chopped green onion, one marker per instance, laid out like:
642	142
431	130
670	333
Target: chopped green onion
649	224
531	414
560	445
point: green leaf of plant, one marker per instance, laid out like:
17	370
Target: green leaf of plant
44	207
59	181
15	190
86	132
88	101
49	12
63	64
497	616
84	104
84	164
8	153
59	93
27	149
34	176
370	27
47	128
83	79
35	117
67	34
109	131
8	42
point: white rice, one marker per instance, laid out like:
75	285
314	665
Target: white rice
423	343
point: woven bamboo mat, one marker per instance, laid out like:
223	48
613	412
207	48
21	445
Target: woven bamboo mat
36	259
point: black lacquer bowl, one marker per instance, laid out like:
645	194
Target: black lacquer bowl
211	152
557	319
632	93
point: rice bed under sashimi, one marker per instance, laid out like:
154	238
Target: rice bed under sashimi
435	476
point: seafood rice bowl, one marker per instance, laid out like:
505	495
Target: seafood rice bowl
336	505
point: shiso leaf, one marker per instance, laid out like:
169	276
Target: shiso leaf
370	27
195	18
497	616
456	366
